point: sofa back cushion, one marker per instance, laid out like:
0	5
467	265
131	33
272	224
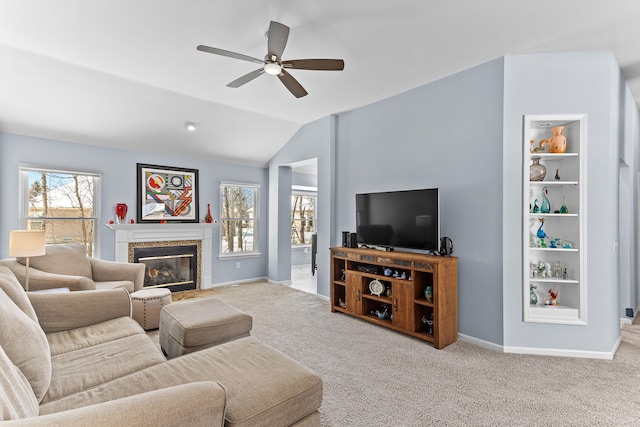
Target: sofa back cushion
62	259
16	396
26	345
14	290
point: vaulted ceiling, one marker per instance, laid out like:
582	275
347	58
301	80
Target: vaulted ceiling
127	73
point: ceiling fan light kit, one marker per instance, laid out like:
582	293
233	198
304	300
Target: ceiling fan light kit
277	37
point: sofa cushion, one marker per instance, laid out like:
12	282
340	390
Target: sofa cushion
264	387
16	396
14	290
26	345
68	259
78	338
82	369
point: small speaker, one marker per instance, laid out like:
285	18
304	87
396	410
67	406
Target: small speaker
345	239
446	246
353	240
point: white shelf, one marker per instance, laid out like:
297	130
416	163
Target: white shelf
544	215
533	248
552	156
551	280
552	183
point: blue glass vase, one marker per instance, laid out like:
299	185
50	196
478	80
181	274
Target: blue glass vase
545	207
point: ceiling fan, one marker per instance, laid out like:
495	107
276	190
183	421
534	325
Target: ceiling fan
273	64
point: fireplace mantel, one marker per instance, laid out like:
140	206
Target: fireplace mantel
134	233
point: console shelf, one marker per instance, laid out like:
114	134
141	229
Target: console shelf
408	311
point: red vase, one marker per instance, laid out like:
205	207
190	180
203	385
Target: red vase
208	218
121	212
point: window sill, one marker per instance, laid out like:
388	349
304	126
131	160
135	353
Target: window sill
239	255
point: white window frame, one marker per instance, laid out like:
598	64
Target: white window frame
298	190
256	222
23	205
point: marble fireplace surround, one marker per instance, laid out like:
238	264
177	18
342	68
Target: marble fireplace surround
131	235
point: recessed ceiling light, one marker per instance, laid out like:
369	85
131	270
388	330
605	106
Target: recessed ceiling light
545	125
190	126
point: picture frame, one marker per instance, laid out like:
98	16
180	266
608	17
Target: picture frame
167	194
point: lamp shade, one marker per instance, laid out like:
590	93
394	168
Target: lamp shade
26	243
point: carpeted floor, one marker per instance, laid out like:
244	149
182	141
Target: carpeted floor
376	377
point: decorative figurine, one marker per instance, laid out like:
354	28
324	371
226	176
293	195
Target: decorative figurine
545	207
533	298
563	208
342	278
342	303
429	323
557	270
554	297
541	234
387	272
381	314
557	177
536	209
565	275
428	293
403	275
541	145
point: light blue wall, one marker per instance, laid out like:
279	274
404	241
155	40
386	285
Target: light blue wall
447	134
118	171
315	140
580	83
628	195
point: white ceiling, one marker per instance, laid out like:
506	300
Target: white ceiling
127	74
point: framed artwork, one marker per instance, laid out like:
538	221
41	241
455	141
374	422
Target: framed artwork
167	194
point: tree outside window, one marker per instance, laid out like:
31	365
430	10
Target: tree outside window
303	218
63	204
239	220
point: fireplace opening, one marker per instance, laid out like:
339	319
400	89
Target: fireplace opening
172	267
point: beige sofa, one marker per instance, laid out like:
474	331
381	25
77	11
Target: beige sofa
68	266
78	359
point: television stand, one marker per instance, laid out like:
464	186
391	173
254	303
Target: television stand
412	293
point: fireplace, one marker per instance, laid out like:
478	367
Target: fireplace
174	265
129	237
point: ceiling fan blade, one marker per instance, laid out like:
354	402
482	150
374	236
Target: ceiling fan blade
292	84
246	78
277	39
229	54
315	64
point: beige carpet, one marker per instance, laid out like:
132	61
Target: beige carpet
376	377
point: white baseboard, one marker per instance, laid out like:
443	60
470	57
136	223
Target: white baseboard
234	282
542	351
480	343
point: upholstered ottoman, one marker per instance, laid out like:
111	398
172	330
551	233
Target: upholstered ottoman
146	305
192	325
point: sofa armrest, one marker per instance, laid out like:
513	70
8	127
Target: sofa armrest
107	271
39	280
194	404
70	310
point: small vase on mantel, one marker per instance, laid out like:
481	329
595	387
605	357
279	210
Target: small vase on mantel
537	172
121	212
558	142
208	218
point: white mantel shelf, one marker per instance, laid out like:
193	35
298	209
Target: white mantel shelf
156	232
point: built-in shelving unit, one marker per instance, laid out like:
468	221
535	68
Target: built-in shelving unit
563	249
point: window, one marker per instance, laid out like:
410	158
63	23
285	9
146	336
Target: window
303	217
239	219
63	203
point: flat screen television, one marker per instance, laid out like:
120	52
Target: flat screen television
399	219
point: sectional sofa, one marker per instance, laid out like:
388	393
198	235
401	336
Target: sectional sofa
77	358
